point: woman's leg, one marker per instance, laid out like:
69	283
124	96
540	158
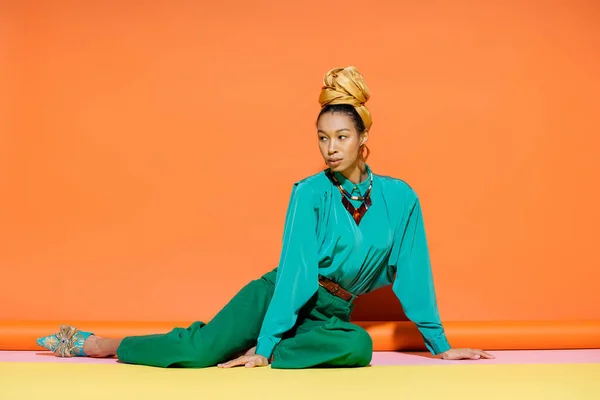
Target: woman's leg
336	343
95	346
324	337
233	330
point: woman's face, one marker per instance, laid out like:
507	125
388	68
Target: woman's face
339	141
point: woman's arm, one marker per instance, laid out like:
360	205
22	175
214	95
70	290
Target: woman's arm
413	284
297	274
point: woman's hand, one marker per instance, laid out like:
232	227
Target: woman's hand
249	361
465	354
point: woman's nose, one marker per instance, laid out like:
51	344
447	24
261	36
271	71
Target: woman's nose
331	149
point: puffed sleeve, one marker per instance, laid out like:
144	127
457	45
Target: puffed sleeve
413	284
297	274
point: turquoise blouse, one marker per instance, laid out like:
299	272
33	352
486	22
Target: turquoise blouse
388	247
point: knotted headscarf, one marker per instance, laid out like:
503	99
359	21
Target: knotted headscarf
346	86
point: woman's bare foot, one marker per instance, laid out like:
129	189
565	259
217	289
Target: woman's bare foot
95	346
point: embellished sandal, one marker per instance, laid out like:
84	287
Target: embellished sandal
66	343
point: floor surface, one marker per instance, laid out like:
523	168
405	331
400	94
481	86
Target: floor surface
565	375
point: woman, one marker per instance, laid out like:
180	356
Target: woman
347	232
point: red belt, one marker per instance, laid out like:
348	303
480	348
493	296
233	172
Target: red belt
335	289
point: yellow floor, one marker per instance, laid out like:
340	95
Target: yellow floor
80	381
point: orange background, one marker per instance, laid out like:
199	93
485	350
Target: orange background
147	150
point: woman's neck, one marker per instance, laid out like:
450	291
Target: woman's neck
357	173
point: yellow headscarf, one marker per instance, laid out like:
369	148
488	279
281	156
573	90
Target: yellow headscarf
346	86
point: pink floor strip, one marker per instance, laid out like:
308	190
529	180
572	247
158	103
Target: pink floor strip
379	358
46	356
502	357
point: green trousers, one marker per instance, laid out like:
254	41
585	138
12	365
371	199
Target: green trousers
322	337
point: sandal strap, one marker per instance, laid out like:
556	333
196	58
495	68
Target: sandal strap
68	342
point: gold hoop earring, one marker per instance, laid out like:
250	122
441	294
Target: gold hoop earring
364	156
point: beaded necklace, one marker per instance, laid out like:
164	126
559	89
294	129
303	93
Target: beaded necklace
357	213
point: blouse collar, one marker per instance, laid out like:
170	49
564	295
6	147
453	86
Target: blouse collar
355	188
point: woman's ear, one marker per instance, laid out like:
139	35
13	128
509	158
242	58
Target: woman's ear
364	137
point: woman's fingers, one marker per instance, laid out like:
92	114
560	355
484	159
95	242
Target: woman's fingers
466	354
247	361
476	354
470	354
485	354
256	361
234	363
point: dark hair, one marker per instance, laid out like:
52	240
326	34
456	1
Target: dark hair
347	110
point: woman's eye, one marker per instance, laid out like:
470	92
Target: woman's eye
342	137
322	138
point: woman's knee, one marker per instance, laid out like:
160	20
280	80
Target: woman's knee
360	350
